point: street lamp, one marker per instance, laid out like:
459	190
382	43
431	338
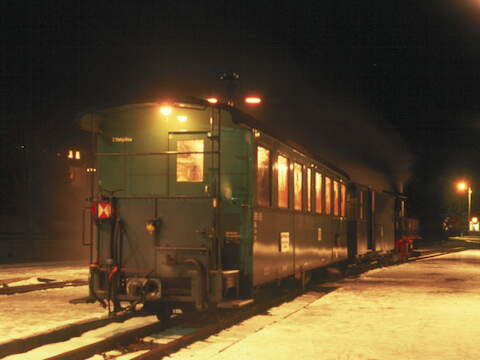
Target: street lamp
462	186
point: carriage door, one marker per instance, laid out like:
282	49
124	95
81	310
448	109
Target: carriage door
190	169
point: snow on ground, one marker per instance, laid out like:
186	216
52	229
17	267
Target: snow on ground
89	337
429	310
29	273
35	312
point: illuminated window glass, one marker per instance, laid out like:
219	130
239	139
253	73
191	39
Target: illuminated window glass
343	198
263	176
297	186
318	193
328	196
282	164
309	189
336	198
190	166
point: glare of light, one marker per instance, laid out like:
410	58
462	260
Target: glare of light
77	155
91	170
474	219
166	110
462	186
212	100
70	154
253	100
182	118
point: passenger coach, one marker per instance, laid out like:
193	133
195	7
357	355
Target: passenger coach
195	204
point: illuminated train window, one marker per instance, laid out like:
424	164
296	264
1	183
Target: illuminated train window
263	176
328	196
282	167
190	164
297	186
318	193
336	198
309	189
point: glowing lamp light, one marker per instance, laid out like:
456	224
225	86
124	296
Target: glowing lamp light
475	220
462	186
253	100
77	155
166	110
212	100
70	154
182	118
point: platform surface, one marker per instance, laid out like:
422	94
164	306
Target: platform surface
428	309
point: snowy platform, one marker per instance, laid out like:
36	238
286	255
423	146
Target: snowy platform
24	315
418	310
427	309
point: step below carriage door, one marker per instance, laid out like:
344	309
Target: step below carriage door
191	171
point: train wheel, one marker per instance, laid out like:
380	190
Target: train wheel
164	314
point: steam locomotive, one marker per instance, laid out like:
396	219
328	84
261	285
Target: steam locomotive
196	204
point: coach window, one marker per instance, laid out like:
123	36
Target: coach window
318	193
336	198
328	196
343	200
309	189
190	160
263	176
297	186
282	167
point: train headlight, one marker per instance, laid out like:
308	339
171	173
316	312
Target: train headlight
165	110
212	100
253	100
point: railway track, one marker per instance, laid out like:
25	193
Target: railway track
156	341
182	331
10	290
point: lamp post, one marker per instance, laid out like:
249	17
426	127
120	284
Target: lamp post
462	186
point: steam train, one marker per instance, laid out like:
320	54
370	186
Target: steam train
196	205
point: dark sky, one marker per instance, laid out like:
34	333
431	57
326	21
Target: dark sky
407	66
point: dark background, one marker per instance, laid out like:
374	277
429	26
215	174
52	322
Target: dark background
390	85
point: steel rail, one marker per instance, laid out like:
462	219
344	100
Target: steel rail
10	290
63	333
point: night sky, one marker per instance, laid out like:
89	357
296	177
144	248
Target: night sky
359	71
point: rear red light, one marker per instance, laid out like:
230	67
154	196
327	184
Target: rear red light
104	210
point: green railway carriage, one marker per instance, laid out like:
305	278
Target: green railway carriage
195	204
